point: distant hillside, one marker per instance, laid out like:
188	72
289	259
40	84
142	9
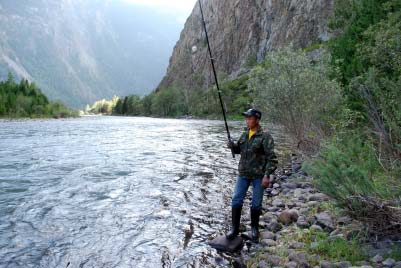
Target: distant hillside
81	51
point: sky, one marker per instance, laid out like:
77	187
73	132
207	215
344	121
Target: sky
180	8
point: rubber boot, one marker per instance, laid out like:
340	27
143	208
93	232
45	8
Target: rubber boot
255	213
235	221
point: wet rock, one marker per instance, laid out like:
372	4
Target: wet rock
325	220
276	185
388	262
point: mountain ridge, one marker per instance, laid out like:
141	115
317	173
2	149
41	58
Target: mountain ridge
241	32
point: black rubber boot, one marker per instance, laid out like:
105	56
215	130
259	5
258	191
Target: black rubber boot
255	213
235	221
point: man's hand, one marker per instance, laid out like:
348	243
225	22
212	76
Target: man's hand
230	144
265	181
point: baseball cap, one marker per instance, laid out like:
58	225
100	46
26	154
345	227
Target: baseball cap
253	112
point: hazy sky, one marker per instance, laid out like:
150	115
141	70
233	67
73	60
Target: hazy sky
182	8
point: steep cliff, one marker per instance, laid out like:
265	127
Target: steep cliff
241	32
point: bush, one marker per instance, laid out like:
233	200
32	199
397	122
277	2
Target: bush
349	171
296	92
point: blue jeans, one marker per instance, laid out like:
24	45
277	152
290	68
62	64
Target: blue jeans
241	187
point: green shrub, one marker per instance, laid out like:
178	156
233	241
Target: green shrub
296	92
350	172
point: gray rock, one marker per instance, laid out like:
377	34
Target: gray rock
278	203
268	242
273	260
342	264
377	258
296	244
325	220
267	235
397	265
275	192
326	264
274	226
389	262
276	185
291	264
300	258
289	185
316	227
302	222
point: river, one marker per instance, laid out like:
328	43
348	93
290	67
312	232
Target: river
115	191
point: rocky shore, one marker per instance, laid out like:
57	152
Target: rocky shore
301	227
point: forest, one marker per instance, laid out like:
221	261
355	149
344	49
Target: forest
26	100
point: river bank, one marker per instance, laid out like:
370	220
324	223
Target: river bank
302	227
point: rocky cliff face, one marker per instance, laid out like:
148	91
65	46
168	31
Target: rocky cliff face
241	32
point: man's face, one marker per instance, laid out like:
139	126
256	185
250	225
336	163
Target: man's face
251	121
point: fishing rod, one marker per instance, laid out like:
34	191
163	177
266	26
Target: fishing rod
215	78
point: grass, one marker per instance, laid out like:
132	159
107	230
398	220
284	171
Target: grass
333	249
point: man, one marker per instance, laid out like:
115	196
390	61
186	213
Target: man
257	162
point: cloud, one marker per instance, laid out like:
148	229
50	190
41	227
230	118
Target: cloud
179	6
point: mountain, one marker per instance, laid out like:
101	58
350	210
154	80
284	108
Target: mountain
80	51
241	32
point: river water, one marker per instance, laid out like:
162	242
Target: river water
115	191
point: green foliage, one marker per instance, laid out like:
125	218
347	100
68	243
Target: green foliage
26	100
296	92
350	171
337	248
176	102
361	167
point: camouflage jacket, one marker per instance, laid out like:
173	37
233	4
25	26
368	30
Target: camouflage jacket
257	154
